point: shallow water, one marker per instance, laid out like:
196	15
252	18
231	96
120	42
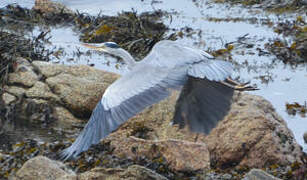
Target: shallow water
278	83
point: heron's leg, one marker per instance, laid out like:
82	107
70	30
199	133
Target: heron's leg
238	86
236	83
196	137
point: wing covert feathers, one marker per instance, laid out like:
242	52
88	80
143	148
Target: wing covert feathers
214	70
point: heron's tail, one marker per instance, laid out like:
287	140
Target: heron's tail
93	131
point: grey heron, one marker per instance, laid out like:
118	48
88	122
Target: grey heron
168	66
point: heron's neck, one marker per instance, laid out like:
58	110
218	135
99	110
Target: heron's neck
126	56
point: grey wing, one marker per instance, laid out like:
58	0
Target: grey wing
122	100
199	63
173	54
213	70
202	104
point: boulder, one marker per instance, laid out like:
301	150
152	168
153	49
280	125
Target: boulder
258	174
251	135
42	168
8	98
134	172
78	87
80	95
41	90
305	137
179	155
15	90
65	118
66	93
23	76
47	6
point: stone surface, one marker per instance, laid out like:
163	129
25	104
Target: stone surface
23	76
15	90
134	172
81	88
50	92
258	174
140	172
8	98
47	6
65	118
41	91
179	155
305	137
251	135
38	111
42	168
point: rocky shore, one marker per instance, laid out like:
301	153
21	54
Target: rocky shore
252	135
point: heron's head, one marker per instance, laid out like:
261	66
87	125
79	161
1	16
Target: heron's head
108	47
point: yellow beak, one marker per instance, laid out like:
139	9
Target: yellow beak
99	48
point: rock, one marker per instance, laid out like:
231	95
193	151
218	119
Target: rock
134	172
39	111
226	176
80	87
64	118
305	137
252	135
48	69
23	76
179	155
140	172
41	91
258	174
46	6
15	90
8	98
43	168
48	92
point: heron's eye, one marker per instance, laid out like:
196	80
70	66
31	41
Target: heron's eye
111	45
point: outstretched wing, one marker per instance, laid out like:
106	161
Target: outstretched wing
171	54
127	96
202	104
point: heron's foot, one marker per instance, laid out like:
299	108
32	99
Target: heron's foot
236	83
245	87
239	86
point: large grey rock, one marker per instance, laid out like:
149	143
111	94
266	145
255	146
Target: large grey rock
258	174
47	6
65	93
78	87
179	155
305	137
41	90
8	98
134	172
252	134
15	90
41	168
23	76
80	94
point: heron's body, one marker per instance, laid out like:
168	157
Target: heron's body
168	66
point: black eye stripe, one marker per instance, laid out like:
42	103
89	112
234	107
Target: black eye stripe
111	45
